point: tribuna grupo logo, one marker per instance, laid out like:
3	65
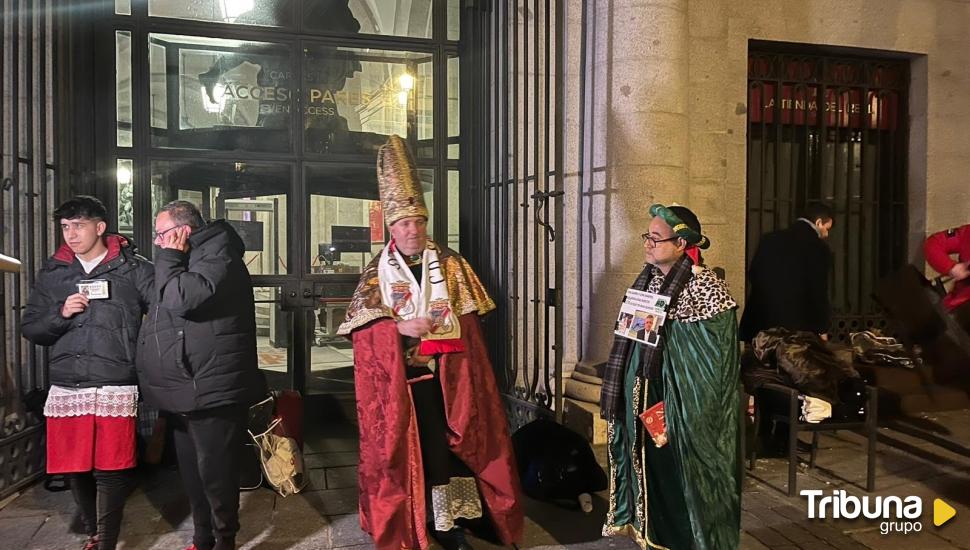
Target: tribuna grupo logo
896	514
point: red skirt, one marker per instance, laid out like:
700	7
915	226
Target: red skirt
88	442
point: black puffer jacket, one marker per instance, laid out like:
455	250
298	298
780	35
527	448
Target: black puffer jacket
97	346
197	348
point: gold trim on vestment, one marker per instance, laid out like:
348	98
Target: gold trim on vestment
639	466
465	290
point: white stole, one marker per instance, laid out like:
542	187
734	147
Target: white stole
409	299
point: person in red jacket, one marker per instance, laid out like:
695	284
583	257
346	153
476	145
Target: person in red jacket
939	248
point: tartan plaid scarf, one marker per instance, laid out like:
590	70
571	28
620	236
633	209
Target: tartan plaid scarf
651	358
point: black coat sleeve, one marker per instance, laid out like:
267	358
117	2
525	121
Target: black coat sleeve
183	291
820	310
42	322
751	321
145	282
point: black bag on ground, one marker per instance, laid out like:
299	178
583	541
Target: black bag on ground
555	463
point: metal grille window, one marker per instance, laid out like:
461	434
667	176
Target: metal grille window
26	200
512	234
832	129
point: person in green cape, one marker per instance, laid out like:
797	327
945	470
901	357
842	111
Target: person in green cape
685	494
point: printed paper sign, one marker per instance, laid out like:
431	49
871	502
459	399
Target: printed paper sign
641	316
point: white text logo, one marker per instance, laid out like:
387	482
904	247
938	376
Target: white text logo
899	514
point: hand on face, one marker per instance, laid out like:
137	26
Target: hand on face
169	234
176	239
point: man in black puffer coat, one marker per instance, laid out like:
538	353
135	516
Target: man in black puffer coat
86	306
197	359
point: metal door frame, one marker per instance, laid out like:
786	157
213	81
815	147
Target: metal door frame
516	210
298	287
812	101
29	185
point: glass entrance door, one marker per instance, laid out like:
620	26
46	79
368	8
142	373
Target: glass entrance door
271	117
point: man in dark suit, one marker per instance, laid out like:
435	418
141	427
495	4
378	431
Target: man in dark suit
789	277
789	288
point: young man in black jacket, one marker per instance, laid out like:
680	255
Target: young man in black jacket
197	360
87	305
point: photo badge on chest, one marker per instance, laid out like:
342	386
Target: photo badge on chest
641	316
94	289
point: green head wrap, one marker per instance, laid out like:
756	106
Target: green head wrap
683	222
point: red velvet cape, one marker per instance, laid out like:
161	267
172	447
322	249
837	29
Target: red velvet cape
390	475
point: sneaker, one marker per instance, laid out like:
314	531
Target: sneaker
91	543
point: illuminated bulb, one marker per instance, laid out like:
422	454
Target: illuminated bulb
124	175
234	8
219	91
406	81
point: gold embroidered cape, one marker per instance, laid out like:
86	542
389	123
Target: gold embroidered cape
464	289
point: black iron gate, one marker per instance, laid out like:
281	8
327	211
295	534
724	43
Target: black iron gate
832	129
515	50
27	194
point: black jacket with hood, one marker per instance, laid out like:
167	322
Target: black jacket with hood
97	346
197	348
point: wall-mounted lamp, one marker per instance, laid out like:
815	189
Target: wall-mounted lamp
406	81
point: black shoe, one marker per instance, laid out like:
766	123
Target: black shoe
453	539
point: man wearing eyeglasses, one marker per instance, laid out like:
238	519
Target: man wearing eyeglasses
677	487
197	360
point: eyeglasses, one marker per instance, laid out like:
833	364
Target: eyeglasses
654	242
158	234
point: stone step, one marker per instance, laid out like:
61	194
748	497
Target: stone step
901	381
582	391
911	391
591	369
936	398
584	419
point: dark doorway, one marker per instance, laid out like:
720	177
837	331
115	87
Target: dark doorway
832	128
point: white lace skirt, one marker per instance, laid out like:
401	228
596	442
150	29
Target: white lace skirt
118	401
